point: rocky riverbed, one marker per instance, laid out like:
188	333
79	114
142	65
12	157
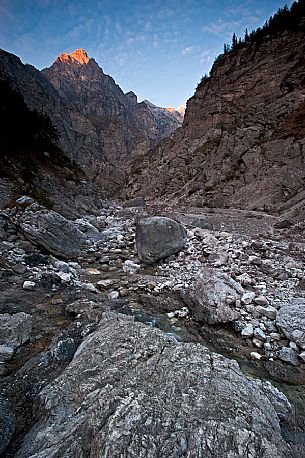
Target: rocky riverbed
227	285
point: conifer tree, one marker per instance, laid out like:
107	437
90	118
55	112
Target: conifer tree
234	41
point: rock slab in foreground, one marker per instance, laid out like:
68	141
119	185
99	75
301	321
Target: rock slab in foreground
52	232
132	391
158	237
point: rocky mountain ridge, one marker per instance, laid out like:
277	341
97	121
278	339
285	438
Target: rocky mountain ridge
242	140
100	127
111	126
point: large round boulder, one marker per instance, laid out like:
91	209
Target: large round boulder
158	237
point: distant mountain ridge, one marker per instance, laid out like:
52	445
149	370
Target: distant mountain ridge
100	127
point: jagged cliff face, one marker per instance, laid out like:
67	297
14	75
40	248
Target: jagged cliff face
158	122
111	127
243	136
39	94
100	127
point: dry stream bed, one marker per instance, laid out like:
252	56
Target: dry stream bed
69	297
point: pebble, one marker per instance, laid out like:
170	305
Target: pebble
64	276
57	301
131	267
255	260
28	285
256	356
257	342
104	284
302	356
269	312
247	331
92	271
247	298
261	300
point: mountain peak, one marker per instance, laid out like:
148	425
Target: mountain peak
181	109
79	55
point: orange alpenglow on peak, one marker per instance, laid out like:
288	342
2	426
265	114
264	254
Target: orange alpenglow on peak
180	109
80	56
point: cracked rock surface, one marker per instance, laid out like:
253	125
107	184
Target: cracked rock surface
131	391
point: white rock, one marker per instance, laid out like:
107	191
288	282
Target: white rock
255	355
113	295
89	287
62	265
256	260
92	271
247	298
182	313
25	200
104	283
259	334
302	356
244	279
131	267
275	336
247	331
64	276
238	303
257	342
28	285
74	265
6	353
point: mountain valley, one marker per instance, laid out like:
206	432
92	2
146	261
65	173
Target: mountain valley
152	268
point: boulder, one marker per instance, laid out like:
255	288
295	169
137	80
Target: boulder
158	237
15	329
6	353
288	355
212	296
53	232
290	319
132	391
269	311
